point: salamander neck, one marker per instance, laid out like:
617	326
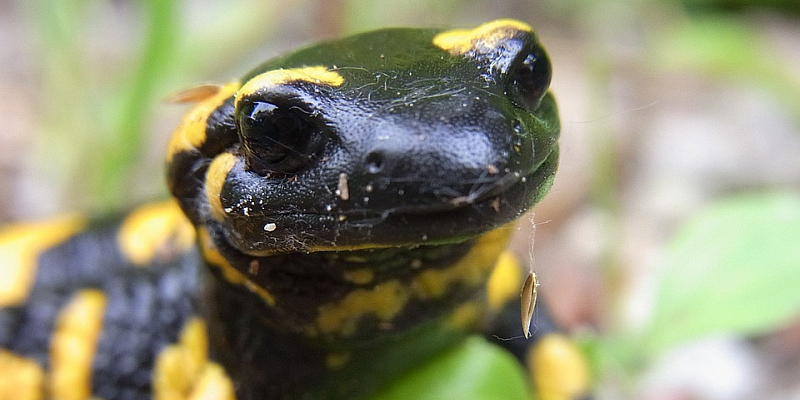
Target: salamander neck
337	314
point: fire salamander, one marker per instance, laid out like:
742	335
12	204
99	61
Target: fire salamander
339	219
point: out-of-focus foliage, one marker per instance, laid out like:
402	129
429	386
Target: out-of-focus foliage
742	5
99	94
734	268
727	47
474	370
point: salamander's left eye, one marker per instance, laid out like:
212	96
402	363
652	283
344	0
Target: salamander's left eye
530	78
275	139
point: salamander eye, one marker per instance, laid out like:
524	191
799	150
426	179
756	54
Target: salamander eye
531	78
276	139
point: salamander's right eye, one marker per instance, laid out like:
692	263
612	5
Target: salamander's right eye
276	139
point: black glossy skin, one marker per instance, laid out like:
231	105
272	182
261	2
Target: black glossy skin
435	148
146	308
406	173
427	141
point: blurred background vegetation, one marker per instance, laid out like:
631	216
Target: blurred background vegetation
670	245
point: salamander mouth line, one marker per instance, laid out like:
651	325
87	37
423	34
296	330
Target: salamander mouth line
484	190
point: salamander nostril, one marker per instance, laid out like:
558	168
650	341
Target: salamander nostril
374	162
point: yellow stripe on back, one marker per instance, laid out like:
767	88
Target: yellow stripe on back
191	133
153	230
460	41
73	345
213	384
184	372
20	247
20	378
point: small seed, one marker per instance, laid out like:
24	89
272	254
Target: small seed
528	302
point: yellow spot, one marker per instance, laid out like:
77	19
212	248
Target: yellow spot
177	366
169	380
214	384
337	360
20	247
460	41
560	370
153	230
504	282
317	75
361	276
470	270
384	301
191	133
20	378
73	345
466	316
229	273
215	179
195	342
184	372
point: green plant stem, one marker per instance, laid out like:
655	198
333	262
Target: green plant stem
114	180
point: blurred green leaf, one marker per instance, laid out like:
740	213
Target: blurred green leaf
359	16
715	44
137	101
734	268
728	48
742	5
474	370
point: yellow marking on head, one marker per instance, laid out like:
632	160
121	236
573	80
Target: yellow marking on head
559	368
361	276
73	345
466	316
504	282
472	269
318	75
191	133
384	301
215	179
337	360
229	273
20	378
158	229
460	41
183	371
20	247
